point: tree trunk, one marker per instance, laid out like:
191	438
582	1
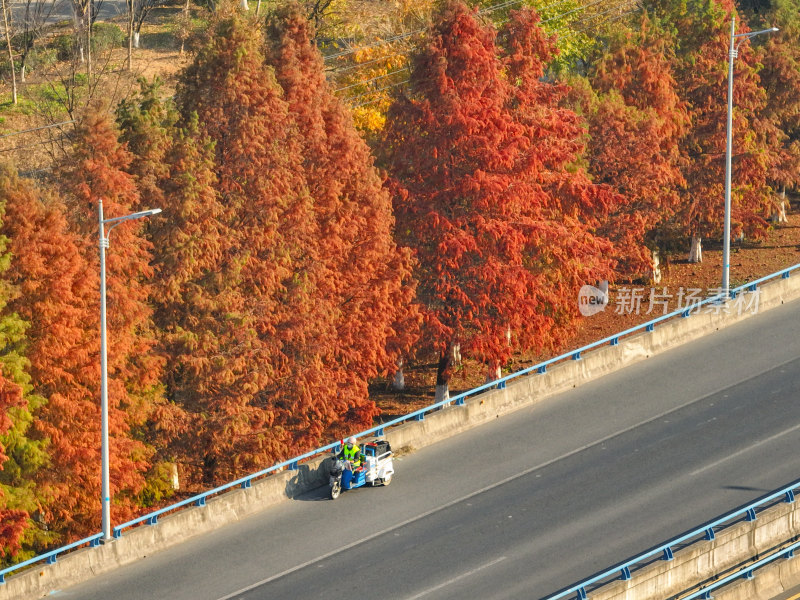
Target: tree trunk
493	373
656	276
78	21
443	376
185	24
399	382
696	249
258	8
22	73
176	482
457	355
10	54
89	49
130	40
245	7
136	39
779	216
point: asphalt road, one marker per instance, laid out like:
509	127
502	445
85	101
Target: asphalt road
61	10
530	503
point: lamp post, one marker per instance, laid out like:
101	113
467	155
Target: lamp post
733	52
105	492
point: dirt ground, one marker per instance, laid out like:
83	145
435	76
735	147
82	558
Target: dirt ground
34	152
749	261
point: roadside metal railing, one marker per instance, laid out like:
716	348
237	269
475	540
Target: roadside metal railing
713	303
707	532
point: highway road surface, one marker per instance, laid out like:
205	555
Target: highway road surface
529	503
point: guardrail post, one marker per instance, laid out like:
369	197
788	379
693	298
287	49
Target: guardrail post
789	554
785	275
625	574
117	534
542	370
576	356
650	327
748	574
789	497
51	560
668	555
710	534
733	294
685	313
419	417
751	514
292	467
246	484
614	342
379	433
94	543
460	402
2	578
752	288
152	520
706	596
581	594
501	385
200	501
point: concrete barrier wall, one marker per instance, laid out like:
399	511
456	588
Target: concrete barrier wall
706	561
173	529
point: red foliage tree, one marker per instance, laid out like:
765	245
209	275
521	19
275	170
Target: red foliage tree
51	276
635	128
269	266
72	419
780	78
362	290
13	521
702	76
481	194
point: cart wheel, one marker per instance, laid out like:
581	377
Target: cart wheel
336	489
387	480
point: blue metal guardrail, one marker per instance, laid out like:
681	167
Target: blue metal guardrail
705	532
417	415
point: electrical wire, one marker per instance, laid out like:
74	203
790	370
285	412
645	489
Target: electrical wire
561	37
7	135
357	83
401	36
490	9
33	144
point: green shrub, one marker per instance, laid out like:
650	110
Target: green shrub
64	46
106	36
41	57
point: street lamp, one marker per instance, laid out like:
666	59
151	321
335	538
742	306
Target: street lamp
105	487
726	241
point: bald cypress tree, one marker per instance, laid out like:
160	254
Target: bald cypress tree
98	170
268	267
363	292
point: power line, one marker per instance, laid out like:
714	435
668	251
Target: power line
368	62
484	11
61	137
401	36
617	18
371	92
561	37
357	83
7	135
